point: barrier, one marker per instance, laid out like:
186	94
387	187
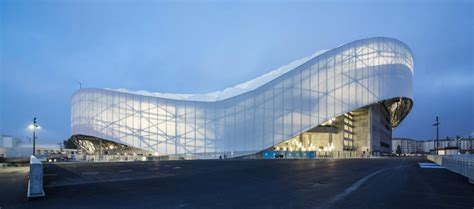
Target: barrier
108	158
438	159
315	155
35	180
461	164
289	154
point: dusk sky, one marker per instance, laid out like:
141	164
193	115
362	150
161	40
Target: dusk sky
47	47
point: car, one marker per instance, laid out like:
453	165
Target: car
56	158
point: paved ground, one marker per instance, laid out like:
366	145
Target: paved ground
13	186
355	183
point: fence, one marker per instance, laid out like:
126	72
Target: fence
108	158
224	155
342	154
461	164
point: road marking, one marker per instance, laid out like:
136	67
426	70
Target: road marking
90	181
153	169
435	167
125	171
430	165
177	167
350	189
90	173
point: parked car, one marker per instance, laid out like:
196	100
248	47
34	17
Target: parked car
57	158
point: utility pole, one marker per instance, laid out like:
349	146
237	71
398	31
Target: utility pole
34	135
437	133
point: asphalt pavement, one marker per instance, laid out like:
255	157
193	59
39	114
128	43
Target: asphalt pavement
349	183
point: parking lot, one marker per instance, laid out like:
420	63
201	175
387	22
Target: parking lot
349	183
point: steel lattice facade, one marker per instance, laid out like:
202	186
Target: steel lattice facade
326	86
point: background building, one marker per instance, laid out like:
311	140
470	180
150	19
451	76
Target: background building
13	147
412	146
347	99
407	146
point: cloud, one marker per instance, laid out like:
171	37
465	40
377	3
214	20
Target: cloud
444	82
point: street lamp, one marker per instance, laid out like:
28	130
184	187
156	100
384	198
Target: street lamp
33	127
437	133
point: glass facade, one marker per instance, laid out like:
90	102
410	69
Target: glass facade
327	86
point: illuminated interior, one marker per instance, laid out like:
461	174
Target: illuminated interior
364	81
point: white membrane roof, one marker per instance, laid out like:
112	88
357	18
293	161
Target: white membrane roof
231	91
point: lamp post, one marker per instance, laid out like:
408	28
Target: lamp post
437	133
34	126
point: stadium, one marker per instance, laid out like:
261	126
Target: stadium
340	102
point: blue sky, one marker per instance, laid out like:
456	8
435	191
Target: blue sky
47	47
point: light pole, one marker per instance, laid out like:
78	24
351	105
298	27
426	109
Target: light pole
437	133
34	126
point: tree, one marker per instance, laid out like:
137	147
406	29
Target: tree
68	144
399	150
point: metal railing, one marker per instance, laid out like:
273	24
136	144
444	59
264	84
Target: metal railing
461	164
342	154
108	158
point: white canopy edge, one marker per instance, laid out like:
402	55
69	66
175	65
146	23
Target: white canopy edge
231	91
